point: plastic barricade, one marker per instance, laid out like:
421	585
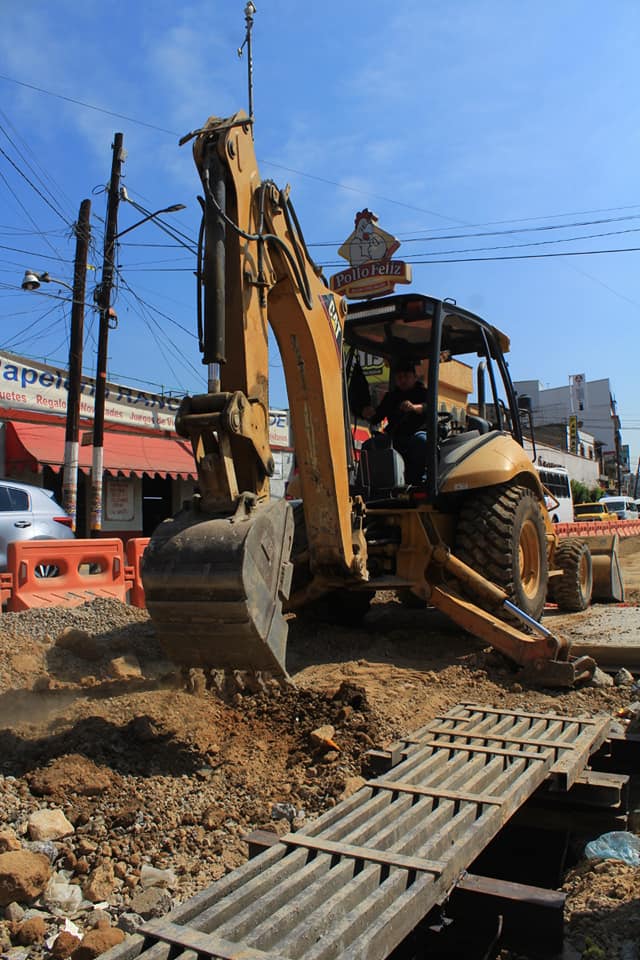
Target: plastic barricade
589	528
6	587
66	573
134	550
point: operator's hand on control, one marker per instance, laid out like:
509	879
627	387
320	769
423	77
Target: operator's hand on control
408	407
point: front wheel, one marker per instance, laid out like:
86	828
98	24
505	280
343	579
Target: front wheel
572	591
501	534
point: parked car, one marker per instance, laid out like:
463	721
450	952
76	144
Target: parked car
624	507
597	511
30	513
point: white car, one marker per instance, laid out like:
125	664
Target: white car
30	513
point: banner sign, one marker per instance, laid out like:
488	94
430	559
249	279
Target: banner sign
29	385
39	388
576	388
573	434
279	432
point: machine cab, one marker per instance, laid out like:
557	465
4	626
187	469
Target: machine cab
460	360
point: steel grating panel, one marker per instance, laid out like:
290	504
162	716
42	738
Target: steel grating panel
356	881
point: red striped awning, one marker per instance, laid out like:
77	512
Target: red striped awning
31	445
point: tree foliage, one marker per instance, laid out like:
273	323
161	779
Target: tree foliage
583	494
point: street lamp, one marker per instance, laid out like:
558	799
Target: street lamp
33	280
174	208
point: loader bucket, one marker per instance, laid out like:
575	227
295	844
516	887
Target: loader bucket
214	587
607	576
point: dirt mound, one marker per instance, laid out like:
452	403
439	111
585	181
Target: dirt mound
158	771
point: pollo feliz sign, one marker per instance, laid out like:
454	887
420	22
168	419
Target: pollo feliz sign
369	250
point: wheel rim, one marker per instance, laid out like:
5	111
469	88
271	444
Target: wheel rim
583	573
529	552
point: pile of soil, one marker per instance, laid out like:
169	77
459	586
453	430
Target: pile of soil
158	771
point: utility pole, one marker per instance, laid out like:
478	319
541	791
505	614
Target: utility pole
70	475
103	299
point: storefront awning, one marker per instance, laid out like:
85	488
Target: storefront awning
31	445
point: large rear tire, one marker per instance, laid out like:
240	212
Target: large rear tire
501	534
572	591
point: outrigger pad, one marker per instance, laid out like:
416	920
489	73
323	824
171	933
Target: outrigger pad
607	576
214	587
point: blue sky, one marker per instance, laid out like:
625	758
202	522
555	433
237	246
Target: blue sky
445	118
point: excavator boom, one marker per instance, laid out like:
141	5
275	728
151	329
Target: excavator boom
216	575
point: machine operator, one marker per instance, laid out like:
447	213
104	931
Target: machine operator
405	408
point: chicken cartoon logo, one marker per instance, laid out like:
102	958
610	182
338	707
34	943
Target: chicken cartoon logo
368	242
369	250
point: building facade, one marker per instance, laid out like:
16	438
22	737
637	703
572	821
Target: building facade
149	471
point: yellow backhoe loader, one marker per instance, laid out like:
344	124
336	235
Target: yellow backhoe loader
473	539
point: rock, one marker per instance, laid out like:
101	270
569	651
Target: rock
351	786
47	847
71	774
8	840
99	884
80	643
98	941
323	737
126	667
129	922
64	945
62	897
31	931
623	678
5	939
49	825
99	918
153	877
13	912
284	811
600	679
23	876
152	902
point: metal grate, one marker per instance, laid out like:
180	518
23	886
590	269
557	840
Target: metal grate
356	881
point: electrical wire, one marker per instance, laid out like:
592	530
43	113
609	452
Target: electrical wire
33	187
36	173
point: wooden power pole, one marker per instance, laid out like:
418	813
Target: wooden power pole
70	475
103	300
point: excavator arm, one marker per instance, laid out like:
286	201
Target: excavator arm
216	575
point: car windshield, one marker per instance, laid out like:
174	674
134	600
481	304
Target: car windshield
615	505
590	508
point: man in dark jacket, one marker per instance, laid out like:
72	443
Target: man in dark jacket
405	409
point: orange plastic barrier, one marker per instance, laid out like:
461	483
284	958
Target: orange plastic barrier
135	548
65	573
594	528
6	586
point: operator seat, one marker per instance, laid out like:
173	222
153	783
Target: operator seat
381	468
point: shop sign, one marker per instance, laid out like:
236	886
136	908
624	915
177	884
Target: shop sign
27	385
279	433
119	500
369	250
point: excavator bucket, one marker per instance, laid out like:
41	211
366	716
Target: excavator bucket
214	587
607	576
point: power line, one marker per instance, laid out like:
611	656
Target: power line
522	256
40	174
301	173
88	106
33	187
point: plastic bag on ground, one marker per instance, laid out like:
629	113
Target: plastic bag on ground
618	845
